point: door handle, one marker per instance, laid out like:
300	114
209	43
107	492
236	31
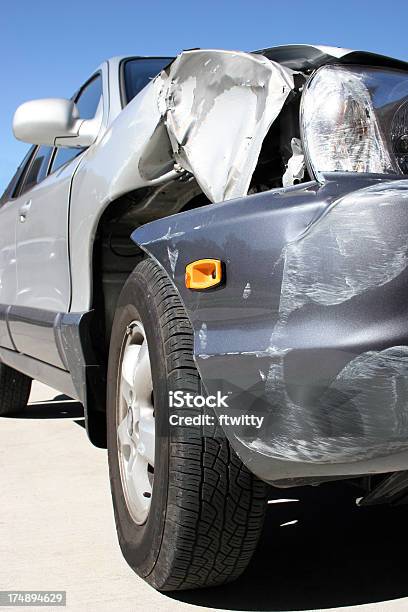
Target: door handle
24	210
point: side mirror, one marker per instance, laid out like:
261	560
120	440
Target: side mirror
53	122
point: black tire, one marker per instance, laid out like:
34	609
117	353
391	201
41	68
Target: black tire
207	509
15	390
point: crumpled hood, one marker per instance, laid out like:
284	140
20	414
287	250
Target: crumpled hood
218	107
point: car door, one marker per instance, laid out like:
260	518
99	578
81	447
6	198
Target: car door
41	236
42	240
8	266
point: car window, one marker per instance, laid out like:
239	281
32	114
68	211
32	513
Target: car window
62	156
89	97
17	177
87	101
37	170
139	71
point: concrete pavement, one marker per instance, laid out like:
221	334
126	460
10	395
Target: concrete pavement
57	532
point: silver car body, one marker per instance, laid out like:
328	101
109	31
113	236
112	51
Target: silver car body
193	135
49	264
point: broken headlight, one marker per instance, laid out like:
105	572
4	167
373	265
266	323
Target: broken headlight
399	136
355	119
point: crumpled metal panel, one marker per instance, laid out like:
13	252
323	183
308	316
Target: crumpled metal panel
218	107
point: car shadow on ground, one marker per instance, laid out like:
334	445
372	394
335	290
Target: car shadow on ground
60	407
336	554
318	552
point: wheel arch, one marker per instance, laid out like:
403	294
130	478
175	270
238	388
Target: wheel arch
114	257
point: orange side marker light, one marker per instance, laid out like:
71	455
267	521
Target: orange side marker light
203	274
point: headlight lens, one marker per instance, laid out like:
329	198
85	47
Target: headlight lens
351	122
399	137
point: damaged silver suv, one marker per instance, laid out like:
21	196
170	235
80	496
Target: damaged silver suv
210	253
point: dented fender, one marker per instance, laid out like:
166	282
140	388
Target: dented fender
310	328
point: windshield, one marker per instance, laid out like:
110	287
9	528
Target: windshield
138	72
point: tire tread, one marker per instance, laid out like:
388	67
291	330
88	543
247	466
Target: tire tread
216	507
15	390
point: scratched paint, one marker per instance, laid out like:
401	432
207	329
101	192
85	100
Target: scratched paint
202	335
247	291
347	252
361	415
173	257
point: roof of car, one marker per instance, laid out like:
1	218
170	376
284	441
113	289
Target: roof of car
301	57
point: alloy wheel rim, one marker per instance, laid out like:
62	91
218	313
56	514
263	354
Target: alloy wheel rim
136	423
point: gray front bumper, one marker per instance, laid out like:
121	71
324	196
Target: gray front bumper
310	329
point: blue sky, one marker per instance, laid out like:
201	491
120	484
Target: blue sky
48	48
